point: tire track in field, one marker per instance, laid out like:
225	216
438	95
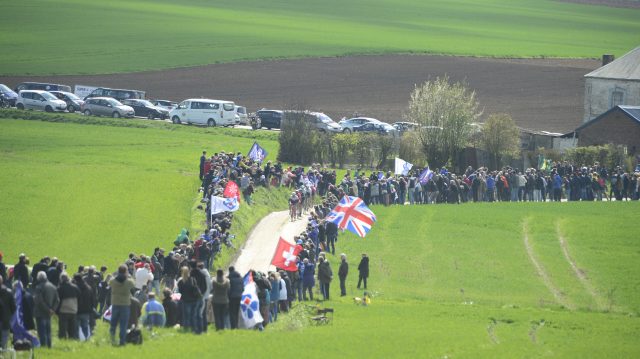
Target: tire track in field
580	274
542	273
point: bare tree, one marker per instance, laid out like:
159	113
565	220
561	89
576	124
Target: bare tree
500	138
445	112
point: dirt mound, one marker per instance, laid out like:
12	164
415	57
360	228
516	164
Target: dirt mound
542	94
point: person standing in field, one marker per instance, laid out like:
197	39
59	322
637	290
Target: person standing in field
21	271
363	269
121	287
7	308
68	310
46	300
221	287
342	274
3	268
203	159
325	275
236	288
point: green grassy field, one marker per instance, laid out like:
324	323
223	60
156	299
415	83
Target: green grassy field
91	194
448	281
457	282
80	37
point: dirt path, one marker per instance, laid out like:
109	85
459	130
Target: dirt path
542	273
580	274
259	247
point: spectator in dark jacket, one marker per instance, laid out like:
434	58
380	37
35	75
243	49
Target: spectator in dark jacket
68	310
53	274
363	269
236	288
86	304
3	268
171	309
21	272
46	301
41	266
325	275
342	274
7	308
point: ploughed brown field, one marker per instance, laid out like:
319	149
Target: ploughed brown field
540	94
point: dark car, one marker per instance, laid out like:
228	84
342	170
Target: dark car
74	103
268	118
7	96
144	108
118	94
381	128
42	86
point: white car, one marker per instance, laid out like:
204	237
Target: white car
205	112
165	104
39	100
241	111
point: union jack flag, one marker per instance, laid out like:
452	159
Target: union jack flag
353	215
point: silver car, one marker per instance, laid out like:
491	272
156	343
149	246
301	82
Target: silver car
350	124
106	106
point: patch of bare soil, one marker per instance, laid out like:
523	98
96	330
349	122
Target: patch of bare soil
541	94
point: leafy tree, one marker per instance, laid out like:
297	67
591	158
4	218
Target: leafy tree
445	112
500	138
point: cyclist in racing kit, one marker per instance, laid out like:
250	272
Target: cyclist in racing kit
293	204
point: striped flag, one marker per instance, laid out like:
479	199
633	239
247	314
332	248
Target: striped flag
425	176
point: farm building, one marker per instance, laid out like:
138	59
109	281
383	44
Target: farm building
620	126
615	83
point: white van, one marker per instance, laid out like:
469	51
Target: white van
205	112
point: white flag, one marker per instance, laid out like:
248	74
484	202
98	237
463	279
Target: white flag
249	304
220	204
402	167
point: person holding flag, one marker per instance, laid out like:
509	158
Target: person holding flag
249	304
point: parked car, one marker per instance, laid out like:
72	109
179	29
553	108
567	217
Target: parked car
42	86
165	104
321	121
106	106
118	94
402	126
241	111
381	128
39	100
349	124
144	108
7	95
74	103
267	118
205	112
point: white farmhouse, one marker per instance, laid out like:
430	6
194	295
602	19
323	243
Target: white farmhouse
616	83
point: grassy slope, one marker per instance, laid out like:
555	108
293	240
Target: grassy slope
420	259
74	36
86	186
91	194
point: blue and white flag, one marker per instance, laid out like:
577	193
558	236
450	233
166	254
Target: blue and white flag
249	304
425	176
402	167
220	204
17	321
257	153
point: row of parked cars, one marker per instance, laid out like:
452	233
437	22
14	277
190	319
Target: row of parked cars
116	103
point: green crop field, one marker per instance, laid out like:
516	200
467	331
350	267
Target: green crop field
46	37
499	280
91	194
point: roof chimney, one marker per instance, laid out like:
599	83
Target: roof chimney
607	58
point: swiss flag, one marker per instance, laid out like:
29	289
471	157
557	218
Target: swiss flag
285	255
232	190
